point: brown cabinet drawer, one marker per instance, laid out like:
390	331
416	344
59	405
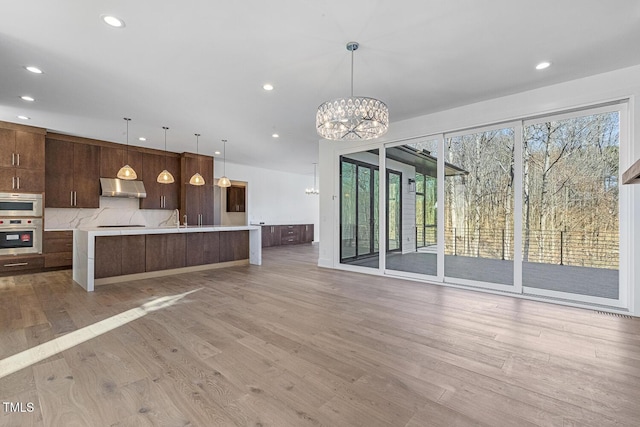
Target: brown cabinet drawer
57	245
20	263
289	234
59	259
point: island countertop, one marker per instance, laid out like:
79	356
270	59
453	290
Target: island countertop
84	246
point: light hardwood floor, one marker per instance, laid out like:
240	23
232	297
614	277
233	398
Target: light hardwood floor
290	344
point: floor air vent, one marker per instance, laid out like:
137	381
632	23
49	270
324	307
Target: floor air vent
624	316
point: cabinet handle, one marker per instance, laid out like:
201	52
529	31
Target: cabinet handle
18	156
13	182
71	202
16	264
164	201
75	198
18	181
13	159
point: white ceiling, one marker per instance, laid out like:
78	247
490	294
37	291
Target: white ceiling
199	66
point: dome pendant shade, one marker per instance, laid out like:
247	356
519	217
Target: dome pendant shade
165	177
352	118
224	182
127	172
196	179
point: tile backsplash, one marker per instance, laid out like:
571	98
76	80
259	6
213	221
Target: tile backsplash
112	211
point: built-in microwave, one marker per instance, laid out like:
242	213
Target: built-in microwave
20	236
20	204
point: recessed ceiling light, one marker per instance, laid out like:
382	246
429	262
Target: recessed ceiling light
543	65
24	118
27	98
33	69
142	138
275	135
267	86
217	153
112	21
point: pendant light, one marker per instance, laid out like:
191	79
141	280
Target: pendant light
224	181
127	172
197	179
353	118
165	176
313	190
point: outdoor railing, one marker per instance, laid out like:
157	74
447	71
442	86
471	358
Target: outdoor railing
593	248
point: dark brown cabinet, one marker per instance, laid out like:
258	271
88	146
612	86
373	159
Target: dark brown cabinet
113	158
22	157
165	251
234	245
291	234
72	172
236	196
160	196
307	233
11	264
119	255
196	202
203	248
270	235
58	249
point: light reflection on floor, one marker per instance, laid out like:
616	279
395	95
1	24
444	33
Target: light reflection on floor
40	352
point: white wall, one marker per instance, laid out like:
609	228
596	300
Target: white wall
276	197
601	88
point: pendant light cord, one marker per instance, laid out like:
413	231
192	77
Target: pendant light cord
352	72
128	120
165	146
224	158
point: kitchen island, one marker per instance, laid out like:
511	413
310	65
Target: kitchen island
115	254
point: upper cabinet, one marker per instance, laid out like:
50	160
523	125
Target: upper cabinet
160	196
72	174
113	158
236	198
22	158
196	201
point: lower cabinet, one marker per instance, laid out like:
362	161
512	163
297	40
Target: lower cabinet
119	255
291	234
58	249
122	255
12	264
203	248
166	251
234	245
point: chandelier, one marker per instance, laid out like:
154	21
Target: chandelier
353	118
313	190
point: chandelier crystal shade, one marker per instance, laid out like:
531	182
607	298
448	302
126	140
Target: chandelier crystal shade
126	172
165	176
353	118
197	179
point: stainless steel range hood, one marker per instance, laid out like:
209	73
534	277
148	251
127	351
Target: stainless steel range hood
114	187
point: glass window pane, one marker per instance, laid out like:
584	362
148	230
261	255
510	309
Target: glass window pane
348	210
570	205
364	211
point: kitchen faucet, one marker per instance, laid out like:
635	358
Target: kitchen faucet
177	212
185	220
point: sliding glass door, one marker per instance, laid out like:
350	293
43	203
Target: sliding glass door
531	206
570	214
479	208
